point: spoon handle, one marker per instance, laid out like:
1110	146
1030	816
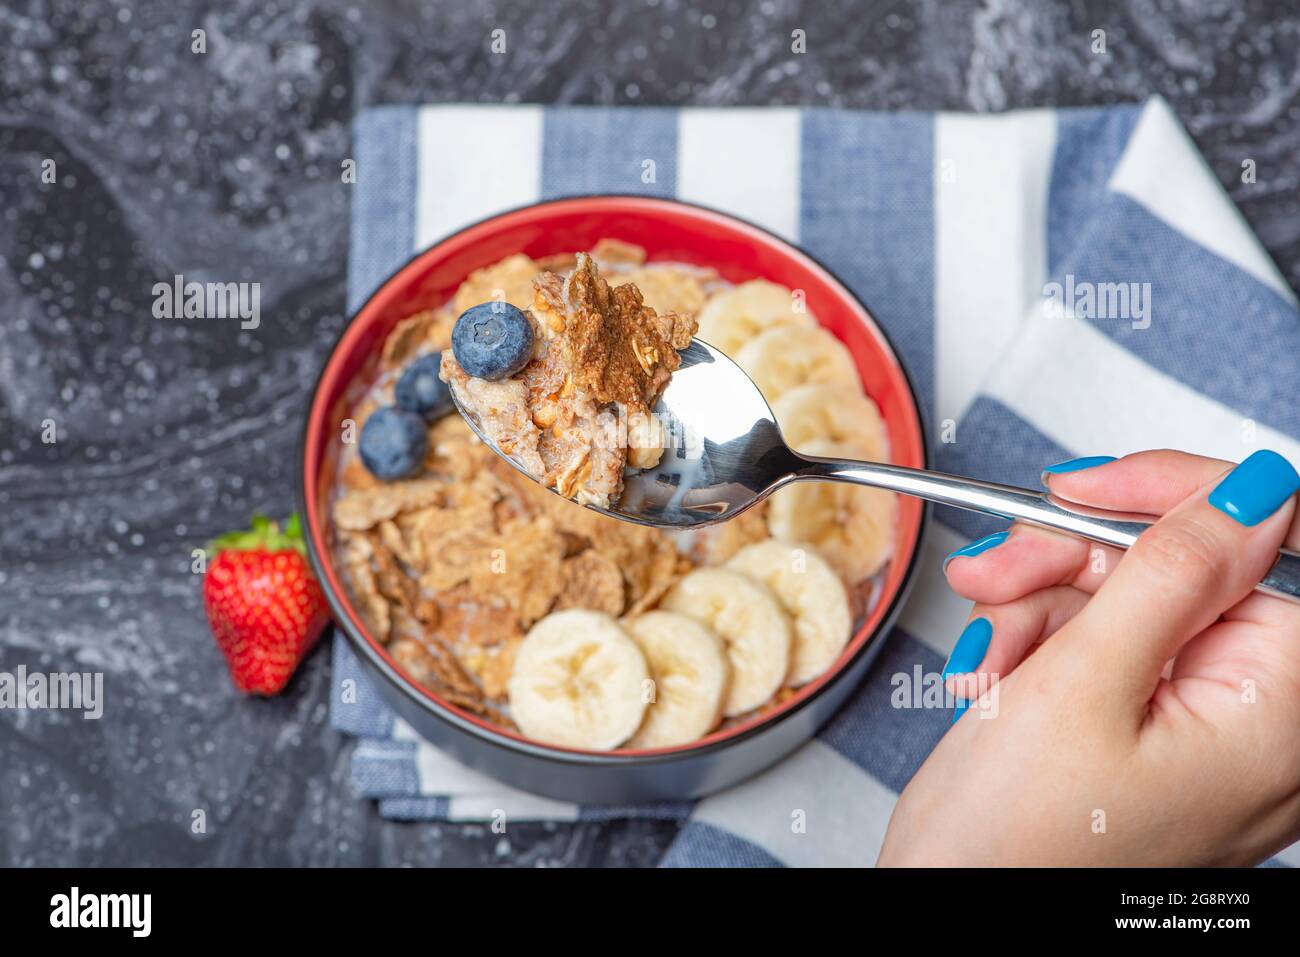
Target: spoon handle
1040	508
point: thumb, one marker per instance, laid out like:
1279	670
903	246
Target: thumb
1187	569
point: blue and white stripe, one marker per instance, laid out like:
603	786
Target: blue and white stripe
948	226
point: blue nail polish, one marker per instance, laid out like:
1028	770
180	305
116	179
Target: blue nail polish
1256	488
1078	465
967	654
970	649
978	546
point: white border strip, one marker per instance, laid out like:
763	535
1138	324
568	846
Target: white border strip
991	180
1091	395
935	614
814	809
742	161
474	161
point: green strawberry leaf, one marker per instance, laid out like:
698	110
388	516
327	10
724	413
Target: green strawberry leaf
265	535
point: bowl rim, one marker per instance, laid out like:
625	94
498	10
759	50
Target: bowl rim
481	729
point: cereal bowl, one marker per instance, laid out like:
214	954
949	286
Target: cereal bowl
666	231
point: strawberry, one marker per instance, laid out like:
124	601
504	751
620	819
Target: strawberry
264	604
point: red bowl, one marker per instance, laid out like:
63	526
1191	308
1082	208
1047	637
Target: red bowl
669	231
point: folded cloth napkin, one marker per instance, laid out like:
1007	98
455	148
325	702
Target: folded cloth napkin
1058	282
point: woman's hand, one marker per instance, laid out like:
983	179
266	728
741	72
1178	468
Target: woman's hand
1145	706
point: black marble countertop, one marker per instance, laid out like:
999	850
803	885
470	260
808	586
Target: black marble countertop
224	166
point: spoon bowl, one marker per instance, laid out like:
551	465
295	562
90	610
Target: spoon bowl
720	455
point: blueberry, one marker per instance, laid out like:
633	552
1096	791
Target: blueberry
393	443
419	390
492	340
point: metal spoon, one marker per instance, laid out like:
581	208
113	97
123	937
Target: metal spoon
726	454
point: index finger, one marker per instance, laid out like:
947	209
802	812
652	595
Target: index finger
1148	482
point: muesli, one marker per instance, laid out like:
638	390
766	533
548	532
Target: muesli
557	622
566	387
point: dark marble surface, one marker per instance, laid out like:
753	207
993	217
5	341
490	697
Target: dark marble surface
223	167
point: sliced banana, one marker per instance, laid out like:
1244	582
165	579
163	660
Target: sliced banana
750	619
579	681
731	318
813	594
688	664
787	356
850	525
834	412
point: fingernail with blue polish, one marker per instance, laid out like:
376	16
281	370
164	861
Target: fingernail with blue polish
978	547
1256	488
970	649
1078	465
967	654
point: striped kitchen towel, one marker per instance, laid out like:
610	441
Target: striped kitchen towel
960	231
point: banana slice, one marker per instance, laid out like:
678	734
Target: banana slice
688	662
731	318
579	681
751	621
850	525
834	412
787	356
810	590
